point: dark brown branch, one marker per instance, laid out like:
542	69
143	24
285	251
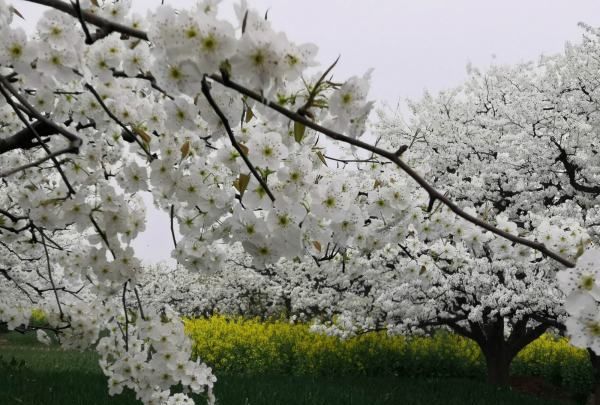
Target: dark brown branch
126	332
77	7
24	138
433	193
74	139
102	234
74	144
7	276
130	134
12	217
110	26
144	76
572	169
234	142
139	302
172	215
105	25
50	156
50	278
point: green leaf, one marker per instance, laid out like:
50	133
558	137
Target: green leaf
299	131
249	114
241	183
321	158
142	134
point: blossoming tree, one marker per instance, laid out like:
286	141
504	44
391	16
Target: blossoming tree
225	127
521	140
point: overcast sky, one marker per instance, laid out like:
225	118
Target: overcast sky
412	44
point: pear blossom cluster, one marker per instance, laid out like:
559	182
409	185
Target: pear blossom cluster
91	119
155	357
582	303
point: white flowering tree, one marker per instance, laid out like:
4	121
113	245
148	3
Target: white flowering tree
223	124
443	275
518	141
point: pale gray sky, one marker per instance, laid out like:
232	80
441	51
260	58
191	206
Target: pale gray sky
412	44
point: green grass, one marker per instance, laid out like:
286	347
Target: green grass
51	376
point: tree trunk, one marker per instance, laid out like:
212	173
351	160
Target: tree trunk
498	366
498	355
499	350
498	369
595	395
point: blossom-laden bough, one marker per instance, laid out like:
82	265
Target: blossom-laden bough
225	127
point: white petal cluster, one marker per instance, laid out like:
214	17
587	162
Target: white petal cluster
154	358
582	303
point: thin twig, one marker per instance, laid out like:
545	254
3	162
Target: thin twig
118	121
126	333
73	148
102	234
104	24
50	156
139	302
234	142
172	215
88	38
50	278
311	97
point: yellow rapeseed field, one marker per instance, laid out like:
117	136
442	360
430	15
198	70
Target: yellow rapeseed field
253	347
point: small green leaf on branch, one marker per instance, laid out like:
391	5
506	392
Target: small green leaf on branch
299	131
321	158
16	12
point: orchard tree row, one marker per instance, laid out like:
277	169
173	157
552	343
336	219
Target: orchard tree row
461	218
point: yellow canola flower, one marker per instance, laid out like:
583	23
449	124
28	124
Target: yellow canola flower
234	345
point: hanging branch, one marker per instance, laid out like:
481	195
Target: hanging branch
234	142
139	302
50	156
72	148
126	332
130	134
105	25
102	235
50	278
30	110
394	157
172	215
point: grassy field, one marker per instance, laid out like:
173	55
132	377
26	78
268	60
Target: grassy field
42	375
